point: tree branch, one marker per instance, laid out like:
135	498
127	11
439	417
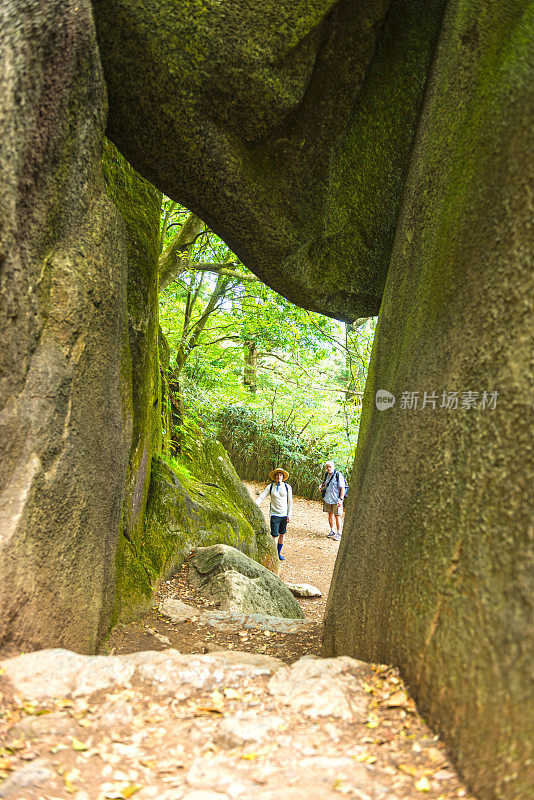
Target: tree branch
170	260
226	268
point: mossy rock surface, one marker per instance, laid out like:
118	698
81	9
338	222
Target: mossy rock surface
139	204
436	566
65	428
287	126
188	508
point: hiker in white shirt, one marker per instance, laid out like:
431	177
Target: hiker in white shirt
281	496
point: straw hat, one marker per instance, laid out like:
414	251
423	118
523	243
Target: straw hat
273	472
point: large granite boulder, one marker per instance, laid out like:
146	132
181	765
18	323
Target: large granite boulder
436	566
65	428
287	126
237	583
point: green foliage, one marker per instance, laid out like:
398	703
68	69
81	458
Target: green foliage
256	443
235	342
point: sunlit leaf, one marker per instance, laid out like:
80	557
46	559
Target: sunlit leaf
397	700
131	789
232	694
77	745
70	779
409	769
422	785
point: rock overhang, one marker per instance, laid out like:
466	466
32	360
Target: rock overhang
286	126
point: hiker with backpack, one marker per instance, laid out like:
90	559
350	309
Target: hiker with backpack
281	496
333	490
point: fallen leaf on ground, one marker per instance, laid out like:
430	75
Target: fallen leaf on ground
408	769
422	785
342	787
396	700
367	757
70	778
77	745
217	699
199	711
130	790
231	694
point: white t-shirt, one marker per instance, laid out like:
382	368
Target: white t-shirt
281	499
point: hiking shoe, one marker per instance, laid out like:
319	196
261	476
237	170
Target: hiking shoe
331	535
336	537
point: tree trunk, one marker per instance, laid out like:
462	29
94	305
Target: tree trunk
176	404
351	387
250	369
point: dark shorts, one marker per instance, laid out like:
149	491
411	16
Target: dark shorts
278	525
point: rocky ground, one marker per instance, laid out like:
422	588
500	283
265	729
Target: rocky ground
310	558
233	714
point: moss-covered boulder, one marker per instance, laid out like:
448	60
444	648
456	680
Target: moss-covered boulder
436	566
197	505
286	125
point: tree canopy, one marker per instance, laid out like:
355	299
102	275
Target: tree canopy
234	341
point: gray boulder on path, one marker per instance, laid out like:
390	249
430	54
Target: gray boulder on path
303	590
237	583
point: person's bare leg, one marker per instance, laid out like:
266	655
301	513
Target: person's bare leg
330	534
337	535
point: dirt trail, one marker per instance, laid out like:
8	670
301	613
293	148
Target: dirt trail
310	558
310	555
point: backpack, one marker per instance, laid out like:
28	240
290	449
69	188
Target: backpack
336	474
